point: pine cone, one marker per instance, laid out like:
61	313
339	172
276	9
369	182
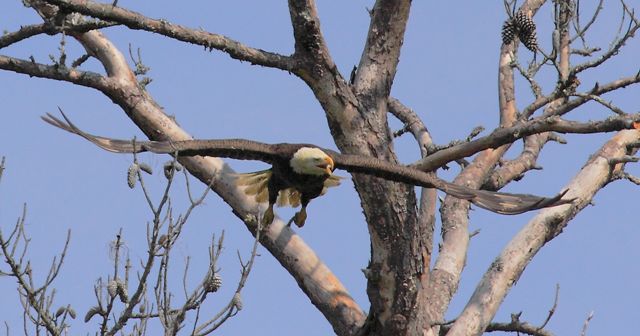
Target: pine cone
213	283
530	41
526	30
508	31
132	175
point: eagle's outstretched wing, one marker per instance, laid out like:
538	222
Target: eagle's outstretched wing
240	149
503	203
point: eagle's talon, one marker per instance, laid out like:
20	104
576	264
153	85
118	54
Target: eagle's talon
267	217
291	221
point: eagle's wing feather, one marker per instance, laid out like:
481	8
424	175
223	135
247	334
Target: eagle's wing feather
108	144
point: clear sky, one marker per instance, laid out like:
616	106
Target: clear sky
447	73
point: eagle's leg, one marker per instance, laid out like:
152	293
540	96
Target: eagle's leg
300	217
267	217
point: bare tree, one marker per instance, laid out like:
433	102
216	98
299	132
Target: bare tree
407	295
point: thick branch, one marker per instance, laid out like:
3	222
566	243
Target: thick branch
381	53
514	169
306	31
208	40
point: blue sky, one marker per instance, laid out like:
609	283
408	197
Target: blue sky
447	73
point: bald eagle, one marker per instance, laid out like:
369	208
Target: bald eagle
302	172
306	176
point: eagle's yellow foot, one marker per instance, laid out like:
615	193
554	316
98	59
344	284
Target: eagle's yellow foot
267	217
300	217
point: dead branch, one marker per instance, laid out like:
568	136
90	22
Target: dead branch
580	31
31	68
36	301
413	124
585	326
553	308
516	168
608	104
616	45
508	135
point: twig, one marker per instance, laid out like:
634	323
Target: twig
233	306
618	43
602	102
31	298
553	308
580	33
586	324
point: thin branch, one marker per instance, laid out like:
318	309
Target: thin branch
518	327
30	297
83	78
580	32
553	308
233	306
615	48
514	169
585	326
507	135
609	105
413	124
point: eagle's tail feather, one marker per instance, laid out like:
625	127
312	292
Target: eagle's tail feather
289	197
256	184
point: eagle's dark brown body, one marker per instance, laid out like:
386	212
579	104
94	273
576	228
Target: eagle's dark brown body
283	177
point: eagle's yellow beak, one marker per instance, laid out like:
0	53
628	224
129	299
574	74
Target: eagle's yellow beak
328	167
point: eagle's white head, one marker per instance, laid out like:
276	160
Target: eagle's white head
311	161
